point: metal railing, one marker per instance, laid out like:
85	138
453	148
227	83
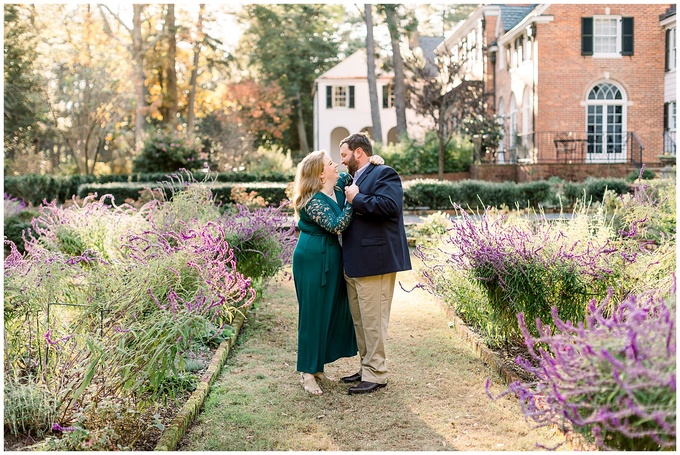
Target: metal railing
669	143
570	147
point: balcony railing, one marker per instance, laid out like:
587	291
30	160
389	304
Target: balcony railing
669	143
570	147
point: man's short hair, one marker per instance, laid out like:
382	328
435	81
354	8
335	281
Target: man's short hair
356	140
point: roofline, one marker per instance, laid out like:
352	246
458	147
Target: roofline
667	20
534	17
670	12
351	78
466	25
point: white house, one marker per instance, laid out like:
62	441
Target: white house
342	106
667	22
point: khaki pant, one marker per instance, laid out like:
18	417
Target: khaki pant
370	301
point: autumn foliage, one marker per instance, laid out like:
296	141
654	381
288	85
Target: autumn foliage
262	110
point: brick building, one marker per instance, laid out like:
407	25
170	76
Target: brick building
667	22
580	89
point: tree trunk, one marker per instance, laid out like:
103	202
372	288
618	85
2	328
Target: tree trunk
194	73
372	85
138	54
171	72
302	133
398	62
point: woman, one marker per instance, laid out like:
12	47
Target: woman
325	328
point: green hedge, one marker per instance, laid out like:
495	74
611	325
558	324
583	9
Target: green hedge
438	195
593	189
272	192
435	194
36	188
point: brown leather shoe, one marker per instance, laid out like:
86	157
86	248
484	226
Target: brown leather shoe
356	377
365	387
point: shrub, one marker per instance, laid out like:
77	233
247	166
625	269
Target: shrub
613	376
13	206
529	268
129	291
430	193
250	199
106	424
433	225
273	193
262	243
30	408
35	188
649	213
594	189
442	195
643	174
165	152
17	218
266	161
414	156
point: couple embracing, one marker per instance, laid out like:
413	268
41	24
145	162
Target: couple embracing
352	243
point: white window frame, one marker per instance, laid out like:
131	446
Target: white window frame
672	54
672	119
617	51
338	95
623	102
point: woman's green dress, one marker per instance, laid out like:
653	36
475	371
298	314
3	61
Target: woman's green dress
325	327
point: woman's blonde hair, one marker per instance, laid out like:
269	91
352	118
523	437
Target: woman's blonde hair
308	179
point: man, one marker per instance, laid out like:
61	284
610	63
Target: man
374	249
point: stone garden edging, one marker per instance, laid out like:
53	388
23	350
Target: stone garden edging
575	440
178	427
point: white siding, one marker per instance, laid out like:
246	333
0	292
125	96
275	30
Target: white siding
670	86
331	125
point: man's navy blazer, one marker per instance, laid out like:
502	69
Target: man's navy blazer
375	241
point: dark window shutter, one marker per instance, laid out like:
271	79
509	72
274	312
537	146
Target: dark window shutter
351	97
586	36
329	97
385	97
627	36
668	48
665	116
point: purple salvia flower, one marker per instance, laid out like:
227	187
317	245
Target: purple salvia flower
581	362
51	342
57	427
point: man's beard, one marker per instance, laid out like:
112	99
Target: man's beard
352	166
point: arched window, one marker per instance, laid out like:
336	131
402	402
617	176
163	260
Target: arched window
606	123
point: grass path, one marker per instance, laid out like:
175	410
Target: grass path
435	398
